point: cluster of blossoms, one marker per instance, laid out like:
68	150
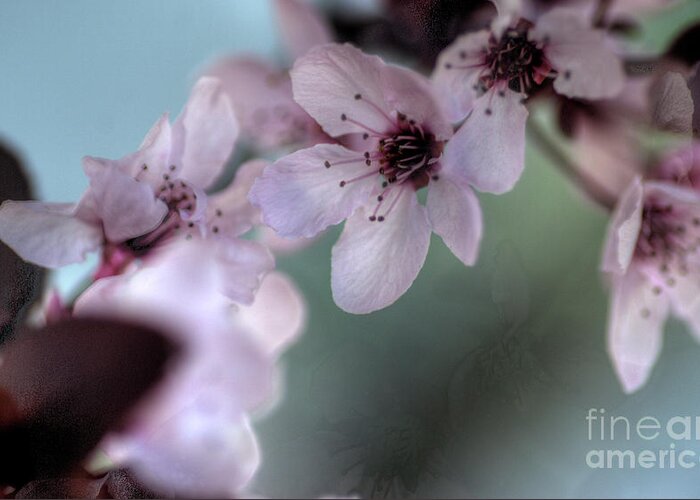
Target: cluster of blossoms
355	140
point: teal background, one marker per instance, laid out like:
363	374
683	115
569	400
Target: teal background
475	383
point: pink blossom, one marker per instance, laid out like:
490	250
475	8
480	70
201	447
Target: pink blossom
194	433
404	147
149	198
651	255
517	57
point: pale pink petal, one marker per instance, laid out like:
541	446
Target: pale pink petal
333	81
300	196
229	210
262	100
204	133
301	27
412	94
457	72
374	263
47	234
488	150
277	315
586	66
672	103
635	328
455	215
127	208
198	454
623	229
148	164
243	264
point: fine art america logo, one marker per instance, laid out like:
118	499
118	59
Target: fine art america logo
667	441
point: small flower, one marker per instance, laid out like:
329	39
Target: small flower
149	198
402	139
651	254
512	61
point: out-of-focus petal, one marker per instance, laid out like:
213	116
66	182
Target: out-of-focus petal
229	210
204	133
277	315
635	328
300	196
341	87
455	215
374	263
243	264
623	230
261	96
672	103
198	453
488	150
301	27
457	72
47	233
127	208
586	66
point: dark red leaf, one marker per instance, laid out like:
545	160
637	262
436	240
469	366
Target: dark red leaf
70	383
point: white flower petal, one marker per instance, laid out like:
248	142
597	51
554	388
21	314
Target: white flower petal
623	230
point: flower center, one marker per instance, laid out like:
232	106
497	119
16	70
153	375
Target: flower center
665	235
409	155
515	60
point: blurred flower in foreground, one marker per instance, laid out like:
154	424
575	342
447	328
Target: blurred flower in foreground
401	135
61	389
652	256
193	436
261	92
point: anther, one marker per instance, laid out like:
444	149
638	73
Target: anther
372	218
343	117
436	177
358	97
448	66
368	162
380	218
342	183
567	74
215	229
219	213
365	136
145	167
380	198
327	164
646	313
190	224
172	168
166	177
488	111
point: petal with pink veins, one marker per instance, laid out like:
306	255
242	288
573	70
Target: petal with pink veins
47	234
126	207
635	328
375	263
455	215
587	67
204	133
300	195
301	27
623	230
341	88
488	150
457	72
277	315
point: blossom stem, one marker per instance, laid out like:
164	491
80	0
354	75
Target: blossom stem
589	185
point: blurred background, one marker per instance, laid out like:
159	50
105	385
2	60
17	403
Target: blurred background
475	383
